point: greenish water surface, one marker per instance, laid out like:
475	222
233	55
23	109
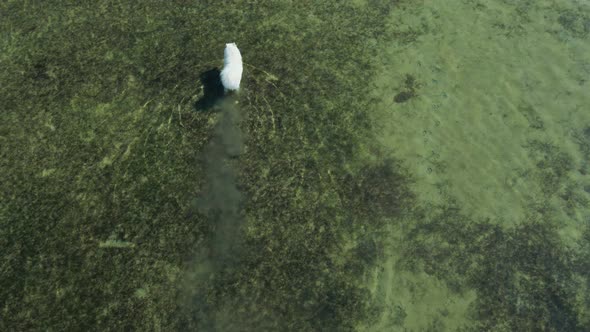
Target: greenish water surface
386	166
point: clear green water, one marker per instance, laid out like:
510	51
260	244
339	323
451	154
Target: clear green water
386	166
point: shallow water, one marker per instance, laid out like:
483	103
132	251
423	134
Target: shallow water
385	166
498	127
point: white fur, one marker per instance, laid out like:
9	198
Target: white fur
231	75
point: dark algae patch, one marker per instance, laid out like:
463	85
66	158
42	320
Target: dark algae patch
408	91
525	278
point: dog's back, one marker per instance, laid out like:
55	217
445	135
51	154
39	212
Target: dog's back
231	75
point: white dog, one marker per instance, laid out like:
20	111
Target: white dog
231	75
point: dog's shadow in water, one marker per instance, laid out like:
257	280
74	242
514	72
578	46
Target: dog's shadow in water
213	90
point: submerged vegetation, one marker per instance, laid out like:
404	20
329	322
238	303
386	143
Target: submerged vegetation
109	114
104	133
525	278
